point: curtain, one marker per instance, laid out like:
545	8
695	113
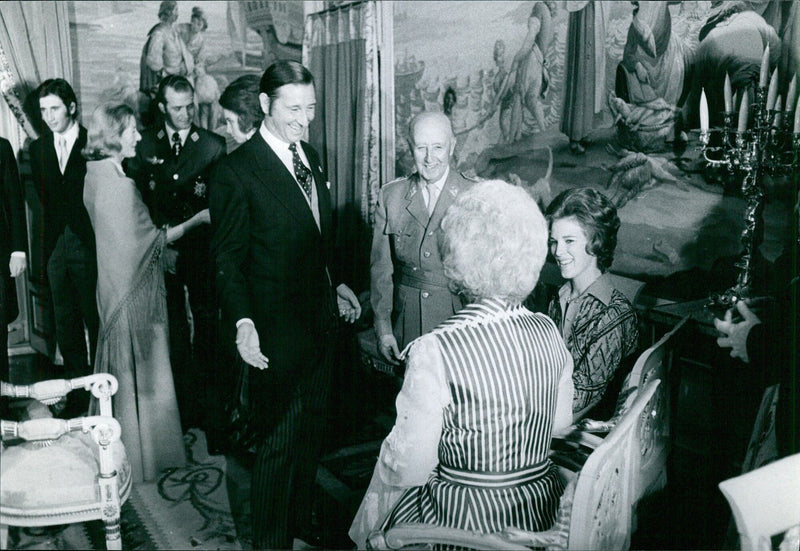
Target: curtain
340	49
34	46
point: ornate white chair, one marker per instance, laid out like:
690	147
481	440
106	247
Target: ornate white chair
766	503
653	428
64	471
595	511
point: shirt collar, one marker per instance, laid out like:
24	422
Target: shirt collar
438	184
70	134
274	141
182	133
601	289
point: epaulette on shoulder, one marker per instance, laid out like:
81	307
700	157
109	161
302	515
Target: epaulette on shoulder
396	180
471	176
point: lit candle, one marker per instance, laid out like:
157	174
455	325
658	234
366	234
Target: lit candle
764	74
703	111
790	95
773	90
796	129
776	123
744	110
728	94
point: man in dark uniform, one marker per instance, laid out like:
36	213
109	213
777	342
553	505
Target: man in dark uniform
171	168
58	170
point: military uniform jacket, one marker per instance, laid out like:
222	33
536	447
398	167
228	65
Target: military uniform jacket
175	189
406	274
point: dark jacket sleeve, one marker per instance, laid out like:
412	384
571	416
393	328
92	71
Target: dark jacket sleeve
230	241
13	197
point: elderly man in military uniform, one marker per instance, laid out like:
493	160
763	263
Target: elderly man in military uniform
172	169
409	291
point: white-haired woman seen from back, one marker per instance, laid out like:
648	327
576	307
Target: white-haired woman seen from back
484	391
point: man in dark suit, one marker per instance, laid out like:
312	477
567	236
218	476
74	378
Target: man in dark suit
13	244
58	169
273	243
172	169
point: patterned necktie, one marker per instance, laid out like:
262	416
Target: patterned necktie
176	143
301	172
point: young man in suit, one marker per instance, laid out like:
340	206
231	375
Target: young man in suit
172	169
58	169
273	247
13	244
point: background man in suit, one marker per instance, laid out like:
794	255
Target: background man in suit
172	169
273	243
407	278
13	244
58	169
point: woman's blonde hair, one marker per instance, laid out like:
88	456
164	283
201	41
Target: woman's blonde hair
494	242
109	121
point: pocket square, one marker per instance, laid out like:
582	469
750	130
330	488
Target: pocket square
328	184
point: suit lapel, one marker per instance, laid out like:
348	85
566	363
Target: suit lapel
77	148
276	179
323	193
50	156
415	204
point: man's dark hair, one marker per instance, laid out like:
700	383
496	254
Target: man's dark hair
241	97
177	83
282	73
61	88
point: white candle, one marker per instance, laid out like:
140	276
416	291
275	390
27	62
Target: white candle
728	94
776	123
744	111
796	129
764	73
703	111
773	90
791	94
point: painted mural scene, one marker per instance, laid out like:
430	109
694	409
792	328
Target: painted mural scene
400	274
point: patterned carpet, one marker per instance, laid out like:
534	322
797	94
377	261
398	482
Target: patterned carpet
186	508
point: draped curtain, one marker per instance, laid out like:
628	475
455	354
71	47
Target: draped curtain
340	49
34	46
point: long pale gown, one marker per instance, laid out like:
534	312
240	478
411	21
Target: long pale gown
131	301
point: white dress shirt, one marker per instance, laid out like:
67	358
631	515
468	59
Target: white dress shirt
70	136
182	133
431	192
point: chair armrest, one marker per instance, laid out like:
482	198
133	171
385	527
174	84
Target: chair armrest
406	534
104	429
50	392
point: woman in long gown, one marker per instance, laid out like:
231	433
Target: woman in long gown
133	341
483	392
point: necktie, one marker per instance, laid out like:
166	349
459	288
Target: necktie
301	172
62	153
430	197
176	144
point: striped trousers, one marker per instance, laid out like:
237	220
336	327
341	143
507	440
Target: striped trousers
286	461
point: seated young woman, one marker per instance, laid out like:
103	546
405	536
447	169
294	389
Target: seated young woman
596	320
484	391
